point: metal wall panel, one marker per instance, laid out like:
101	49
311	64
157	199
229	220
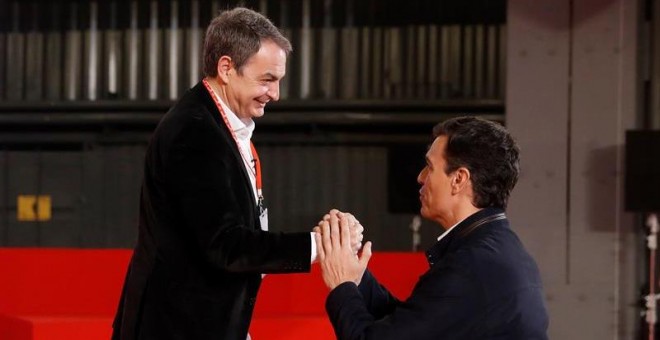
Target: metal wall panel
23	179
60	177
94	195
53	66
150	50
122	173
34	65
302	183
15	77
92	200
348	63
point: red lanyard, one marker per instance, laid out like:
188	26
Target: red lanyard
253	150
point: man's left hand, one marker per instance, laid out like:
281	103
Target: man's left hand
335	253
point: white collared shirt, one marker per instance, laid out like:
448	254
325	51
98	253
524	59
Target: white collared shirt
243	129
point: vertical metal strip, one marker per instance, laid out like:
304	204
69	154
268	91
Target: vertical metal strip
445	58
153	52
306	50
434	61
491	61
112	66
479	51
194	44
502	63
377	62
54	52
4	28
92	53
455	58
348	63
173	50
421	78
467	78
34	52
410	62
72	56
365	60
132	49
15	57
327	79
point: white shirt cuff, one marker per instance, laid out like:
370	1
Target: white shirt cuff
313	257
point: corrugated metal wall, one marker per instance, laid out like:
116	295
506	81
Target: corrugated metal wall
95	193
149	49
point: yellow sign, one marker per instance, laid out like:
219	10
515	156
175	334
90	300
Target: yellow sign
33	208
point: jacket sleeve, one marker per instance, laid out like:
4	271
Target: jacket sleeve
378	300
438	308
200	173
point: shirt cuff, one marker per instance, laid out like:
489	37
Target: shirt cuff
313	255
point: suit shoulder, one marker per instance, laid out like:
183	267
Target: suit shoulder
191	107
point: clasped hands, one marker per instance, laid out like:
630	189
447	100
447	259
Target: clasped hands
338	242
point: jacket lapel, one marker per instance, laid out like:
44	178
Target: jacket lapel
238	159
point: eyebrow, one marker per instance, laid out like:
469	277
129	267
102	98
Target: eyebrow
270	76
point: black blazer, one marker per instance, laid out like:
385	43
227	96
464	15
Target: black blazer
196	268
481	284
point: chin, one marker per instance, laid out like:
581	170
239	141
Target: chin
424	212
257	114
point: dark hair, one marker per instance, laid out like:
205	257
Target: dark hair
488	151
238	33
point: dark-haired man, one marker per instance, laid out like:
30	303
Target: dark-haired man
481	284
203	242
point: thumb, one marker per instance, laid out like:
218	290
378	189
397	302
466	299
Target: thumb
366	254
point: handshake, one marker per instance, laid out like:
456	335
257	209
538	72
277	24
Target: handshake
338	242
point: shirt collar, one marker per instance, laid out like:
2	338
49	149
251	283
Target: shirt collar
448	230
243	128
446	243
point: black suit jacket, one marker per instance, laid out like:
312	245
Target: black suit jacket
196	268
481	284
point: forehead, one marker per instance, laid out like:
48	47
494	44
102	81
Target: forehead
270	58
437	150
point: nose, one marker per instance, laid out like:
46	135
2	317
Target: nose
422	176
274	91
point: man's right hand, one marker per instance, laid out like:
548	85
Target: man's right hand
356	229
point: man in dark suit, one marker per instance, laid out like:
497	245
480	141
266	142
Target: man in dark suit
203	242
481	284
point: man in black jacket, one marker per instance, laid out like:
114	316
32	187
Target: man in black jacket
203	239
481	284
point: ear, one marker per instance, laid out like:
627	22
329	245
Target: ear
460	180
224	66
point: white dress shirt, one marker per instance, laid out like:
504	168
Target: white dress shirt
243	129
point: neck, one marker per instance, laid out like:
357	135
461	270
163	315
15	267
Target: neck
459	214
220	91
